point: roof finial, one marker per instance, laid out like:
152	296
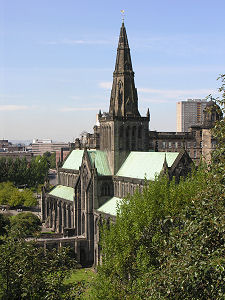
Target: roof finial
122	13
165	165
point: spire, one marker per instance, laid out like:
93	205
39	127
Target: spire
148	114
165	165
123	59
124	99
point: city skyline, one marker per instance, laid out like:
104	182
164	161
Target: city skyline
58	61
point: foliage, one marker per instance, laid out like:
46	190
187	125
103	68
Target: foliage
30	272
25	224
21	172
12	196
131	246
4	223
51	159
169	242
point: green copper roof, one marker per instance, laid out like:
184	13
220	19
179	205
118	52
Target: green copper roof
64	192
101	162
110	206
143	165
74	160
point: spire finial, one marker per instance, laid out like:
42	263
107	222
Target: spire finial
165	165
122	13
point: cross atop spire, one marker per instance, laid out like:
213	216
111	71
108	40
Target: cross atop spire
122	12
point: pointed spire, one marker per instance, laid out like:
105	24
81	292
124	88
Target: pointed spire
148	114
124	99
123	59
165	165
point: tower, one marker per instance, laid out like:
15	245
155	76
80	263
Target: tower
123	129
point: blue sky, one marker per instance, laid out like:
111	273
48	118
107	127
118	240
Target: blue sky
57	59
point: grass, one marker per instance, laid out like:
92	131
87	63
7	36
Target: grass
85	275
81	274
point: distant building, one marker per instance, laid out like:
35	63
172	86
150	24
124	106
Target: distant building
39	147
198	141
189	113
13	151
4	144
16	154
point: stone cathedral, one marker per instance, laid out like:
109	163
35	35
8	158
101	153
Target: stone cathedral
91	182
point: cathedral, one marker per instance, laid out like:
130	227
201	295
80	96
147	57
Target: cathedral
92	182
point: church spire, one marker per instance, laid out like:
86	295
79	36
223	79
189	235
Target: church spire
124	99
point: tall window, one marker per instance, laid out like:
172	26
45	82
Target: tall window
139	131
83	224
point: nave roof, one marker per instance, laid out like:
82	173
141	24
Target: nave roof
146	165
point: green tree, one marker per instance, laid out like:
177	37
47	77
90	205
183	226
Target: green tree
25	224
28	198
169	242
4	223
16	198
21	172
51	158
12	196
3	169
131	246
6	190
30	272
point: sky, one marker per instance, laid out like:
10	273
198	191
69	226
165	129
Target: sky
57	59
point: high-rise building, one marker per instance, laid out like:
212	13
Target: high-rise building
189	113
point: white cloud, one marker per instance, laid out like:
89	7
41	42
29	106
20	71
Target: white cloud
69	109
105	85
78	42
5	96
13	107
168	95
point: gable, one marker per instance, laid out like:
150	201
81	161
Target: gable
74	160
100	160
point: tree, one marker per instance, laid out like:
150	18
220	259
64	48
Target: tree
131	246
51	158
6	190
16	198
169	242
30	272
4	223
25	224
21	172
28	198
12	196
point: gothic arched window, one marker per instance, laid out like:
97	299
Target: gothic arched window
139	131
83	224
